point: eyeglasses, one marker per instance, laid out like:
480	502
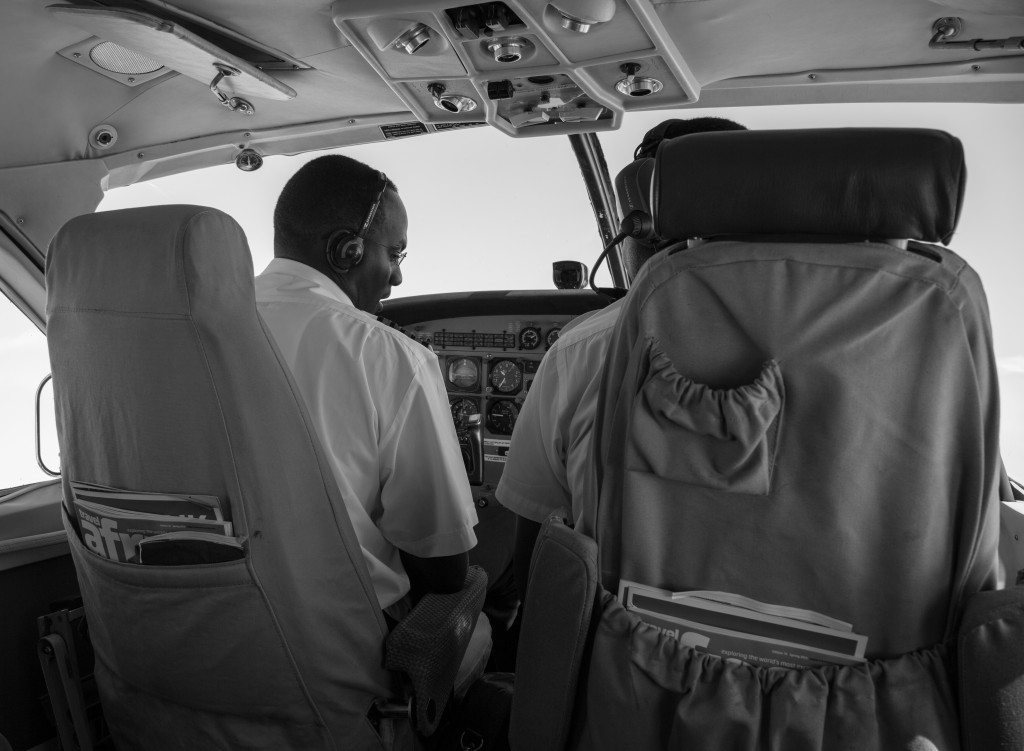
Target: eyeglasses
395	255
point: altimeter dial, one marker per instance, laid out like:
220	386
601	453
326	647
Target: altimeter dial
506	376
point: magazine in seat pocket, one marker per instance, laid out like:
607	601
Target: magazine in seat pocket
689	432
647	689
198	636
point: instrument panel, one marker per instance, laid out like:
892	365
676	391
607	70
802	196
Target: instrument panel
487	368
488	347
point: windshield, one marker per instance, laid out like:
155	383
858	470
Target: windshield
491	212
485	211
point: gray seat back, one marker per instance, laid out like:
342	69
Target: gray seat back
803	414
165	379
798	412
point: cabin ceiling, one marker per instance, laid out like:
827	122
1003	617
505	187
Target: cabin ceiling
339	80
739	51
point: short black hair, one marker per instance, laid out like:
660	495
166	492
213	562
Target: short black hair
329	193
675	128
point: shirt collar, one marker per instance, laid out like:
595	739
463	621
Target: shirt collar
296	268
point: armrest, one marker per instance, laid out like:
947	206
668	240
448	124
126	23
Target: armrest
428	645
990	662
553	637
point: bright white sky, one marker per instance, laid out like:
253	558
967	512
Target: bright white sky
490	212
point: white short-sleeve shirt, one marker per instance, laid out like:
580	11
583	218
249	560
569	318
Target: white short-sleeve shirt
381	412
549	468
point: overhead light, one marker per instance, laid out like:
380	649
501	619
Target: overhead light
571	23
580	15
508	49
412	39
454	103
634	85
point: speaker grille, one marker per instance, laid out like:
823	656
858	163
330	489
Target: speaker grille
117	59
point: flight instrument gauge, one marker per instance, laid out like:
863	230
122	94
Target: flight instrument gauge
501	416
462	410
529	338
506	376
463	372
552	337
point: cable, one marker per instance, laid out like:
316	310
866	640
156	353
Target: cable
636	224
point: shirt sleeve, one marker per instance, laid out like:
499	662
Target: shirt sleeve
427	503
534	483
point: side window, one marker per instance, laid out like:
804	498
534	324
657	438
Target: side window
23	364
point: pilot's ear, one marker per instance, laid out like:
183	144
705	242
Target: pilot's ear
344	251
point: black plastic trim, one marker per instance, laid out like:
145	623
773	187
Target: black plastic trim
406	311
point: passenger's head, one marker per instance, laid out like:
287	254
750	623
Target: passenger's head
346	220
633	183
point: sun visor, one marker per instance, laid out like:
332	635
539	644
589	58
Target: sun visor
861	183
175	47
173	261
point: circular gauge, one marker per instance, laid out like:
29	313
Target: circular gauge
463	372
506	376
462	409
529	338
552	337
501	416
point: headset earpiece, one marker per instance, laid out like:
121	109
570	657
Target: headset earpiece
344	251
344	247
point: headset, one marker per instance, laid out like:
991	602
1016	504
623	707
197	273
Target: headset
342	253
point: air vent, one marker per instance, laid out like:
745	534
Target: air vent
117	59
118	63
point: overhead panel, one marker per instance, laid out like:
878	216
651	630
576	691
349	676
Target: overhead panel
527	67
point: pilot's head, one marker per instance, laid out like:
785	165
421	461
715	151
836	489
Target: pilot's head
633	183
346	220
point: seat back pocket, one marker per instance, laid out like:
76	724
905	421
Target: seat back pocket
688	432
200	636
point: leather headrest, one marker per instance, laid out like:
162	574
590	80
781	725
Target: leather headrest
158	260
855	183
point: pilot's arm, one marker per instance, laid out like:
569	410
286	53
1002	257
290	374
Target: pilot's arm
428	506
443	575
534	483
550	467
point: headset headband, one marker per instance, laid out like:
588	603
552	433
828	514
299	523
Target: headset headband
372	210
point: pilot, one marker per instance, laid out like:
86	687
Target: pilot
548	469
374	395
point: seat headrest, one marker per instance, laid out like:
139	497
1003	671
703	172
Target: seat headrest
157	260
855	183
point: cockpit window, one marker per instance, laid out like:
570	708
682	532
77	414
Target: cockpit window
25	363
486	211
